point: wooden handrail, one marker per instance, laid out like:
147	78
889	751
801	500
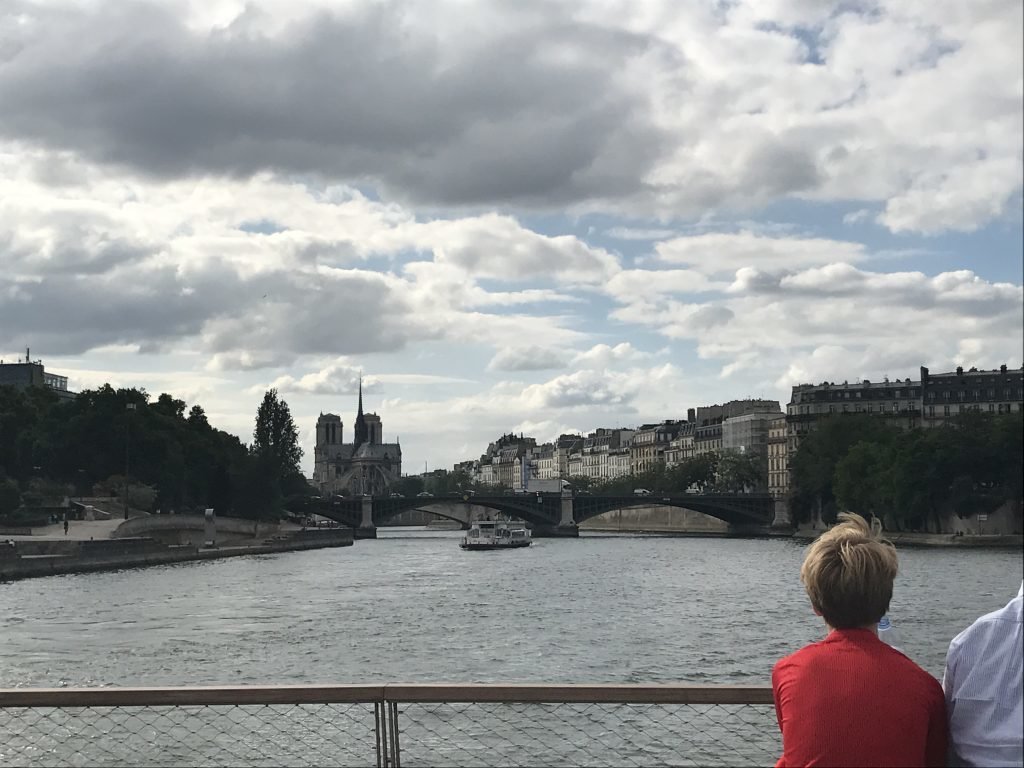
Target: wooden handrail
583	694
367	694
184	696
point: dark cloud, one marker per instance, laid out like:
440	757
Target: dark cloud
530	358
534	114
267	320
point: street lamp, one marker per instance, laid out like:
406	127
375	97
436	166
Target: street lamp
127	434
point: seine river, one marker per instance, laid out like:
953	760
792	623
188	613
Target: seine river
412	607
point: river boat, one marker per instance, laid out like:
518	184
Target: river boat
495	534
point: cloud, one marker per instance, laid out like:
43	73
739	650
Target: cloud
636	233
339	378
835	318
718	253
602	356
158	265
529	358
317	95
645	108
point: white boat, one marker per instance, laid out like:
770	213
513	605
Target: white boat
495	534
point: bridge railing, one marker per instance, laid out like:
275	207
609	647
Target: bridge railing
390	725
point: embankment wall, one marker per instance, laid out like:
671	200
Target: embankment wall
115	554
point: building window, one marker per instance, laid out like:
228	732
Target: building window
931	410
945	395
945	410
992	407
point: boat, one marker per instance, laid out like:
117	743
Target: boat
496	534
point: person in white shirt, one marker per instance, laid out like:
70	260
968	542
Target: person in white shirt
984	685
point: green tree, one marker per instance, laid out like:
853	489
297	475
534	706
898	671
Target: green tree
275	438
861	480
814	464
10	497
738	472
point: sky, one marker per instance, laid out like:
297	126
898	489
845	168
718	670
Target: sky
533	217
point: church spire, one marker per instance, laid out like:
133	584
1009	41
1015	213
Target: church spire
361	433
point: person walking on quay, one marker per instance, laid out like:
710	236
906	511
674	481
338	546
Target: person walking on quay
65	526
850	699
984	684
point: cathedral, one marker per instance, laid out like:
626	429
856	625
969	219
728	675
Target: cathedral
367	465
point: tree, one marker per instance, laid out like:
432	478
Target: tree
197	418
275	438
10	498
738	472
814	464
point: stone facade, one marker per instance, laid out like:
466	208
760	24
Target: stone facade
778	458
366	466
946	395
650	442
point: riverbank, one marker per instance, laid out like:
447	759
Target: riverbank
33	559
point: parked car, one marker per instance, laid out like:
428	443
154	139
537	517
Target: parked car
641	492
397	496
424	493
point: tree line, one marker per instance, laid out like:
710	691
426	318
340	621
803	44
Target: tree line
909	479
175	459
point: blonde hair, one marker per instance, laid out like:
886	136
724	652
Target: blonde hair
848	573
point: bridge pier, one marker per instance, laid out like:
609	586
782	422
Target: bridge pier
566	527
366	529
781	519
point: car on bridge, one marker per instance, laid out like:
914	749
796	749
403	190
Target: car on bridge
424	494
641	492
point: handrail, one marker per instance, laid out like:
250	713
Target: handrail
400	692
581	694
188	695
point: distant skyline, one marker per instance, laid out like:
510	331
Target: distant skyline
512	217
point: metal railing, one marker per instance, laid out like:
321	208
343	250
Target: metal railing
390	726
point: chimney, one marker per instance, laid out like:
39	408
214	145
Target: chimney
691	414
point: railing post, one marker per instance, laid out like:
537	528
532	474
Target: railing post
378	733
396	752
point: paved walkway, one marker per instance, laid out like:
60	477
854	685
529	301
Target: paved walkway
78	530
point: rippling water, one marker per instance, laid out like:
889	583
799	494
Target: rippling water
411	606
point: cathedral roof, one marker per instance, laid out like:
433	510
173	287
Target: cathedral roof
378	451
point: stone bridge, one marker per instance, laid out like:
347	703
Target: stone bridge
552	514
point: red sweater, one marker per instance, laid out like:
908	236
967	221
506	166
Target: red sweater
851	700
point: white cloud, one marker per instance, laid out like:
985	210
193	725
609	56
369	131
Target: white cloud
601	356
716	254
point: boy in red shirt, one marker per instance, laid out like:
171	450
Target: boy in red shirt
851	700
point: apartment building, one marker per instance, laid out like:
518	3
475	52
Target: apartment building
650	442
708	421
946	395
681	448
778	457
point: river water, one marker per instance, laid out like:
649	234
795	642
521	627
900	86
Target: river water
412	607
